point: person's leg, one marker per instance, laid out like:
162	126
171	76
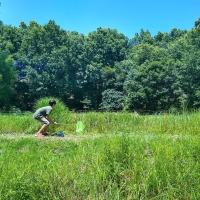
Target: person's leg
44	126
44	131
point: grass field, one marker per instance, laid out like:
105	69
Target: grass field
119	156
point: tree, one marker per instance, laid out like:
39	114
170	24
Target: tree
153	86
122	70
197	23
164	39
143	38
145	52
193	37
112	100
153	72
190	82
104	48
107	46
50	62
7	79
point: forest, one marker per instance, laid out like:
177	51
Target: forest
104	70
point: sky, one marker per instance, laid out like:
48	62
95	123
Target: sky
84	16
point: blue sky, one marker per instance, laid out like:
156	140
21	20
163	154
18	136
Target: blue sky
84	16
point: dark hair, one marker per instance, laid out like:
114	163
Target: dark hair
52	102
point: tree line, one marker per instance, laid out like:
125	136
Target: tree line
104	70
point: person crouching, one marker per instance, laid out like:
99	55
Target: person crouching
42	115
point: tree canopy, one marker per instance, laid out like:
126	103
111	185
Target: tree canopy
7	79
103	70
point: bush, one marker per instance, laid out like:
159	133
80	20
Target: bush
58	114
112	100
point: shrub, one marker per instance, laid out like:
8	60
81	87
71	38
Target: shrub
59	113
112	100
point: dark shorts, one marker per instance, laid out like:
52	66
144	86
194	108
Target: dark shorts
44	121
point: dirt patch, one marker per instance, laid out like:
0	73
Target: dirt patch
66	137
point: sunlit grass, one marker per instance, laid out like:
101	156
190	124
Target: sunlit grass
102	123
117	167
119	156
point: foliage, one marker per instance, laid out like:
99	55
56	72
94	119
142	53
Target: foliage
112	100
7	78
153	86
78	69
197	23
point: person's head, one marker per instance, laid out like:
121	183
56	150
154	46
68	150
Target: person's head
52	103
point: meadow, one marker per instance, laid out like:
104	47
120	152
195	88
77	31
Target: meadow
119	156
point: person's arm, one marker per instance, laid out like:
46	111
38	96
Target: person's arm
49	119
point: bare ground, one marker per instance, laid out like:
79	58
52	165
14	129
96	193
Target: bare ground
66	137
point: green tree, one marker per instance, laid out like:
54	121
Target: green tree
190	70
153	86
197	23
190	78
7	79
143	38
122	70
164	39
104	48
51	61
112	100
79	69
146	52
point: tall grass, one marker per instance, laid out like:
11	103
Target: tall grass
103	123
133	157
117	167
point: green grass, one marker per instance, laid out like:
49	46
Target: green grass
108	167
120	156
102	123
